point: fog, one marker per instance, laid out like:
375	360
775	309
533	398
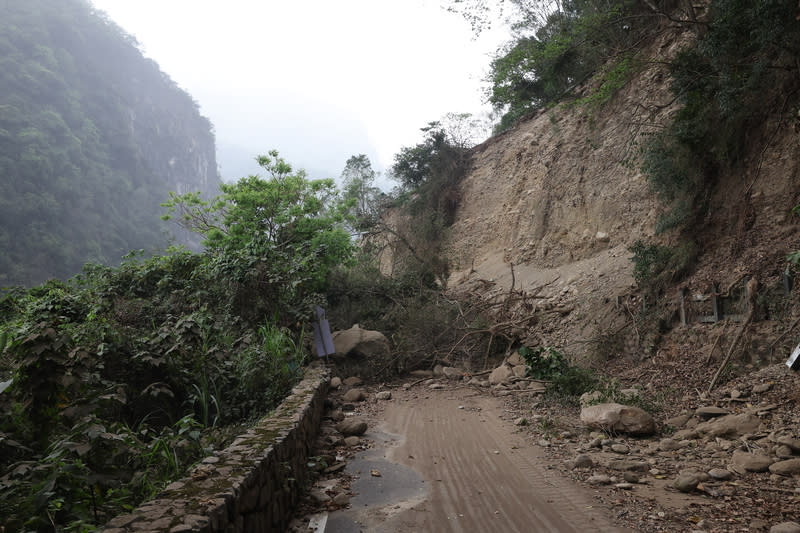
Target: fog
317	80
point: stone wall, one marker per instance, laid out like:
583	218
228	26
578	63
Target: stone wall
251	486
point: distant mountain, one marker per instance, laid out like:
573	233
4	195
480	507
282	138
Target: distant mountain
92	137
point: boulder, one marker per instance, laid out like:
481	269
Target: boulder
614	417
452	373
384	395
743	461
515	359
789	467
360	343
352	427
686	482
520	371
729	426
336	382
785	527
789	441
354	395
500	374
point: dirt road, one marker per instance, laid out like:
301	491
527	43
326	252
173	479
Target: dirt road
447	461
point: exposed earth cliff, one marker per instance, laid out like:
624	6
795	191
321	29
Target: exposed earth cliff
553	206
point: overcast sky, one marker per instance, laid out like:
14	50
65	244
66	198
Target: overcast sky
319	80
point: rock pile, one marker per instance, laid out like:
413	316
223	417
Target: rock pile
724	454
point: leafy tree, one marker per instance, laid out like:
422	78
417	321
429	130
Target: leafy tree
286	223
557	45
432	170
360	193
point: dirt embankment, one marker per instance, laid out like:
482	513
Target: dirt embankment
552	207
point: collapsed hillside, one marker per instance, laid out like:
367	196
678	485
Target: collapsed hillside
556	203
549	211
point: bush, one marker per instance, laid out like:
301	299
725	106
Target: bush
548	60
741	71
544	362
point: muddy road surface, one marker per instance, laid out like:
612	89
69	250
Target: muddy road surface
446	460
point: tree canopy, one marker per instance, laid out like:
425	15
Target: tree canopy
286	221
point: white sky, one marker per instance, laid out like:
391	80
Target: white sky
319	80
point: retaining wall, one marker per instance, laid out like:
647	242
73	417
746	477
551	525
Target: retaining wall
250	486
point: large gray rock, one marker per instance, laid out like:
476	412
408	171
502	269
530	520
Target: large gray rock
791	442
686	482
785	527
618	418
452	373
360	343
352	427
789	467
354	395
743	461
729	426
500	374
516	359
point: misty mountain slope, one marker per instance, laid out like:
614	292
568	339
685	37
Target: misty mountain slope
93	136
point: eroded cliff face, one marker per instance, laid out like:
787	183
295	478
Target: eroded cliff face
551	208
563	189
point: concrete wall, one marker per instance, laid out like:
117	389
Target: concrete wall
251	486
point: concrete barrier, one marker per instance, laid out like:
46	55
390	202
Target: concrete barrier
252	485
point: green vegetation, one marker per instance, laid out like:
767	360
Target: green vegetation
741	71
360	193
554	53
429	174
116	381
654	265
276	238
92	137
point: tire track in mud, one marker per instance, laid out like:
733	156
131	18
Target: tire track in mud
481	475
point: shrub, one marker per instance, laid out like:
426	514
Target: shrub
544	362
